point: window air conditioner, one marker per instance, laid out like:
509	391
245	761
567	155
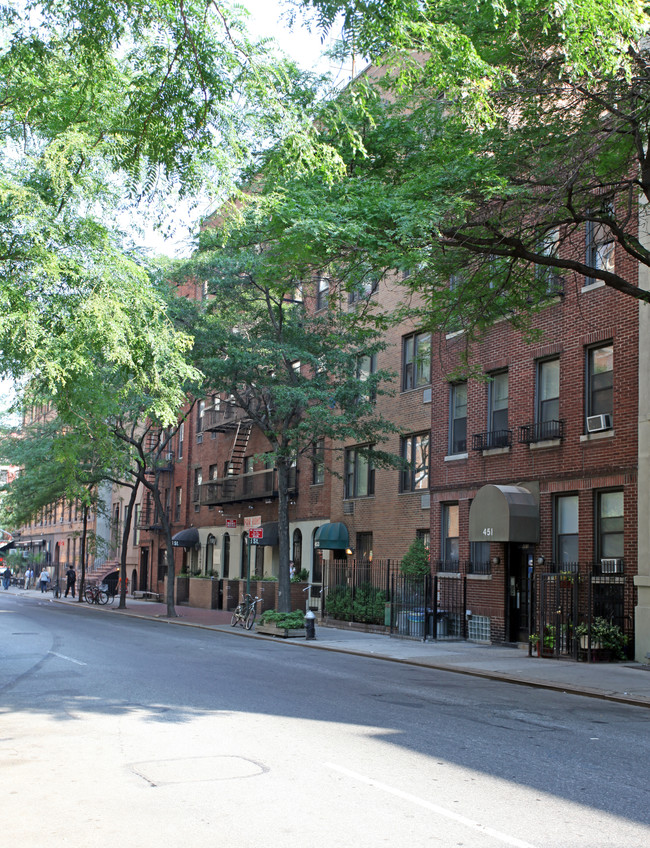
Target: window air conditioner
611	566
169	456
596	423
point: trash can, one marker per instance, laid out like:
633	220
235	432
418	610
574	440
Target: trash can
416	623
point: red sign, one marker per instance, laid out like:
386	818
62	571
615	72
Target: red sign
231	522
256	533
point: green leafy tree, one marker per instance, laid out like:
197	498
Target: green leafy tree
296	372
495	136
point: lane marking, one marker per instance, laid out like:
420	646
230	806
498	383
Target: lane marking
69	659
441	811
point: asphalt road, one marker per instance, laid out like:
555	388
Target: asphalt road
118	731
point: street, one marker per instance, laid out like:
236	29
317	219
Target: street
117	731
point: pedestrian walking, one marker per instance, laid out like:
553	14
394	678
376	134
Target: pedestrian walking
44	579
71	575
6	578
29	576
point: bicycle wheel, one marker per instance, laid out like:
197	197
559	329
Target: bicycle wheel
235	616
89	595
102	597
250	618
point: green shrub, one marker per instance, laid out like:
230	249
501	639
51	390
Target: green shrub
364	604
416	560
290	620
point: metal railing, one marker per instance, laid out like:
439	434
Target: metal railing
243	487
541	431
492	439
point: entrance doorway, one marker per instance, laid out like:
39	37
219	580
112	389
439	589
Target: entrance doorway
144	570
519	557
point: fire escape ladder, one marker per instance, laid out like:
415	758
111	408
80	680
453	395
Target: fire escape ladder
238	451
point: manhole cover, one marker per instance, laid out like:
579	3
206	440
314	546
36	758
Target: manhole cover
197	770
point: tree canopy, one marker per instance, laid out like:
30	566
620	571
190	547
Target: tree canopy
498	138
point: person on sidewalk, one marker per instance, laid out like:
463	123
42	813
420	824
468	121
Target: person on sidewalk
29	576
6	578
44	579
71	575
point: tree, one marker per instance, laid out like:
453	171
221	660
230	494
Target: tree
299	374
499	136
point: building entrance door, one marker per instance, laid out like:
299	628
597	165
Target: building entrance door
517	591
144	570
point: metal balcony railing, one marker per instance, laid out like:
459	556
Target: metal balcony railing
492	439
225	417
541	431
244	487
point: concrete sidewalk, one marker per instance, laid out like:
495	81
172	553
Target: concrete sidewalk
627	683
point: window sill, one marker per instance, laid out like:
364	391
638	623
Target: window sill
495	451
547	443
596	437
454	334
599	284
479	576
456	456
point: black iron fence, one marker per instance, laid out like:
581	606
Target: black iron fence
377	593
582	613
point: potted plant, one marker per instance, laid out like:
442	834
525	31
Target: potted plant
545	644
605	636
284	624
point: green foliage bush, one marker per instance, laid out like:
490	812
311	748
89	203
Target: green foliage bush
416	560
291	620
365	604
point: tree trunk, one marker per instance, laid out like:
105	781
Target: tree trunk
128	517
284	578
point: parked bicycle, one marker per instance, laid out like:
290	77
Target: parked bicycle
245	612
95	595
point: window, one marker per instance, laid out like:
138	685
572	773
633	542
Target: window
363	289
322	293
137	516
547	245
225	567
498	402
458	418
415	452
600	380
366	367
200	412
359	473
450	532
424	536
416	361
479	554
181	437
248	470
600	248
178	503
318	463
548	391
610	525
566	529
198	481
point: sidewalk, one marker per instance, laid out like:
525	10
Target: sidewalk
627	683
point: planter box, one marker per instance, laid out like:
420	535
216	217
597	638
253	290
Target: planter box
204	592
271	629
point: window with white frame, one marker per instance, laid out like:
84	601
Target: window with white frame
566	529
600	380
450	533
498	402
359	472
415	453
416	361
548	391
181	438
366	367
200	412
318	463
322	292
609	519
458	418
599	248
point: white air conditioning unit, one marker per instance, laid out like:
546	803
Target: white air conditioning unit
597	423
199	438
169	456
611	566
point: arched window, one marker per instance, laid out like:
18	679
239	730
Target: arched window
226	555
296	555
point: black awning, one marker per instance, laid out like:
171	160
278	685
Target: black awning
332	537
186	538
269	534
504	514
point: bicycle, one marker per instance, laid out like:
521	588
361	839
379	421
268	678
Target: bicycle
95	595
245	612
